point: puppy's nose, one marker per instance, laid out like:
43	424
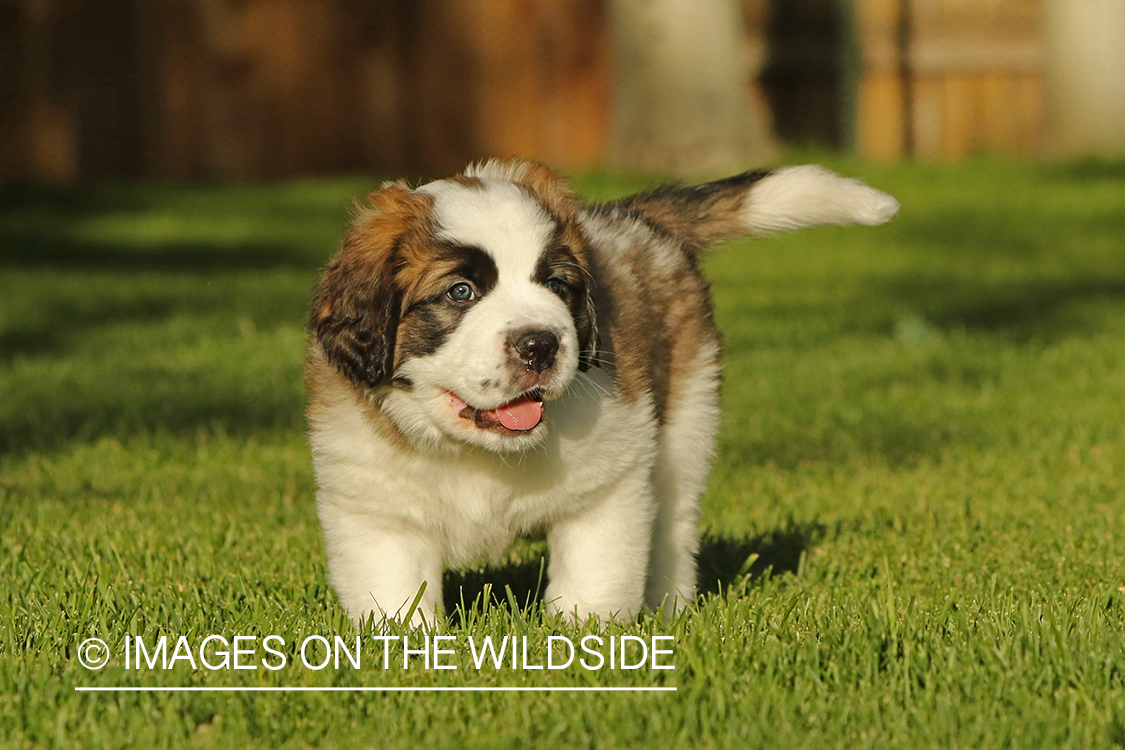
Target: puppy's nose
536	348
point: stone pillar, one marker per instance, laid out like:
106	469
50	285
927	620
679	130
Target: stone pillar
1085	66
681	94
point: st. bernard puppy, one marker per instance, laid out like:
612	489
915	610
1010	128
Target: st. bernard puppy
490	356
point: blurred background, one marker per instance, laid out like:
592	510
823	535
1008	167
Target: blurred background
188	89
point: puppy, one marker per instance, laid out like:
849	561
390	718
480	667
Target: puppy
491	356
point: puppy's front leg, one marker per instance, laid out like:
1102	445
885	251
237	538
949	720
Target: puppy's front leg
378	565
599	556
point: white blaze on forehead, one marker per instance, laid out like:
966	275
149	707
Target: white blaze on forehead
498	217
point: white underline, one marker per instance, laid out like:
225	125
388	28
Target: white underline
360	689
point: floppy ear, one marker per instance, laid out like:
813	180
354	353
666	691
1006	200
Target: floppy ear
354	318
356	308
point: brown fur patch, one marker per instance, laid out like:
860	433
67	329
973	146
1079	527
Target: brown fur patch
551	189
474	183
357	304
657	315
699	215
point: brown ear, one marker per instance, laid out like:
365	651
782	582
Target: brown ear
357	304
355	320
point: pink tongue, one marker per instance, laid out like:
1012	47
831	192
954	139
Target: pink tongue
519	415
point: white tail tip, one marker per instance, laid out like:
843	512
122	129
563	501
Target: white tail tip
808	196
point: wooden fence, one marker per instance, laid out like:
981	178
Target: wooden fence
946	78
272	88
269	88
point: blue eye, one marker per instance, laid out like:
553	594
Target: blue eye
461	292
556	285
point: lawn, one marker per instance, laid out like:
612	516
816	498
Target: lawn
915	529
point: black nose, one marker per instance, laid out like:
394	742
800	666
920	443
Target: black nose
536	349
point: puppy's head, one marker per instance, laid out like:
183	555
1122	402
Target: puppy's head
464	305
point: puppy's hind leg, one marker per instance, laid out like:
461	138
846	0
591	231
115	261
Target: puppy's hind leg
685	451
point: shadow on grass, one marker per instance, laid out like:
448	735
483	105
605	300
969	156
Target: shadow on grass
122	306
66	321
1088	170
516	585
184	407
66	315
32	251
723	563
1020	312
136	372
153	228
726	561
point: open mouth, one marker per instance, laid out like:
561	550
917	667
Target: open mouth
519	415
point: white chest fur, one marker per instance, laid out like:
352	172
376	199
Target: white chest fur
475	501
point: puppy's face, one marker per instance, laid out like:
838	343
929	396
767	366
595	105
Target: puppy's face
463	306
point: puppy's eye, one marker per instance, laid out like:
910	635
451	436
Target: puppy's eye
556	285
461	292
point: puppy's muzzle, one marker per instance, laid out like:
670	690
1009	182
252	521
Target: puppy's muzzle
534	349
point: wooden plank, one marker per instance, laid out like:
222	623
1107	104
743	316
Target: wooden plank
1028	111
378	95
928	118
880	131
957	115
874	14
976	52
46	144
503	39
998	131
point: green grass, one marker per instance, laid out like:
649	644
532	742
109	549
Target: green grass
915	527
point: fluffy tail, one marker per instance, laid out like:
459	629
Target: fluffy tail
756	203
